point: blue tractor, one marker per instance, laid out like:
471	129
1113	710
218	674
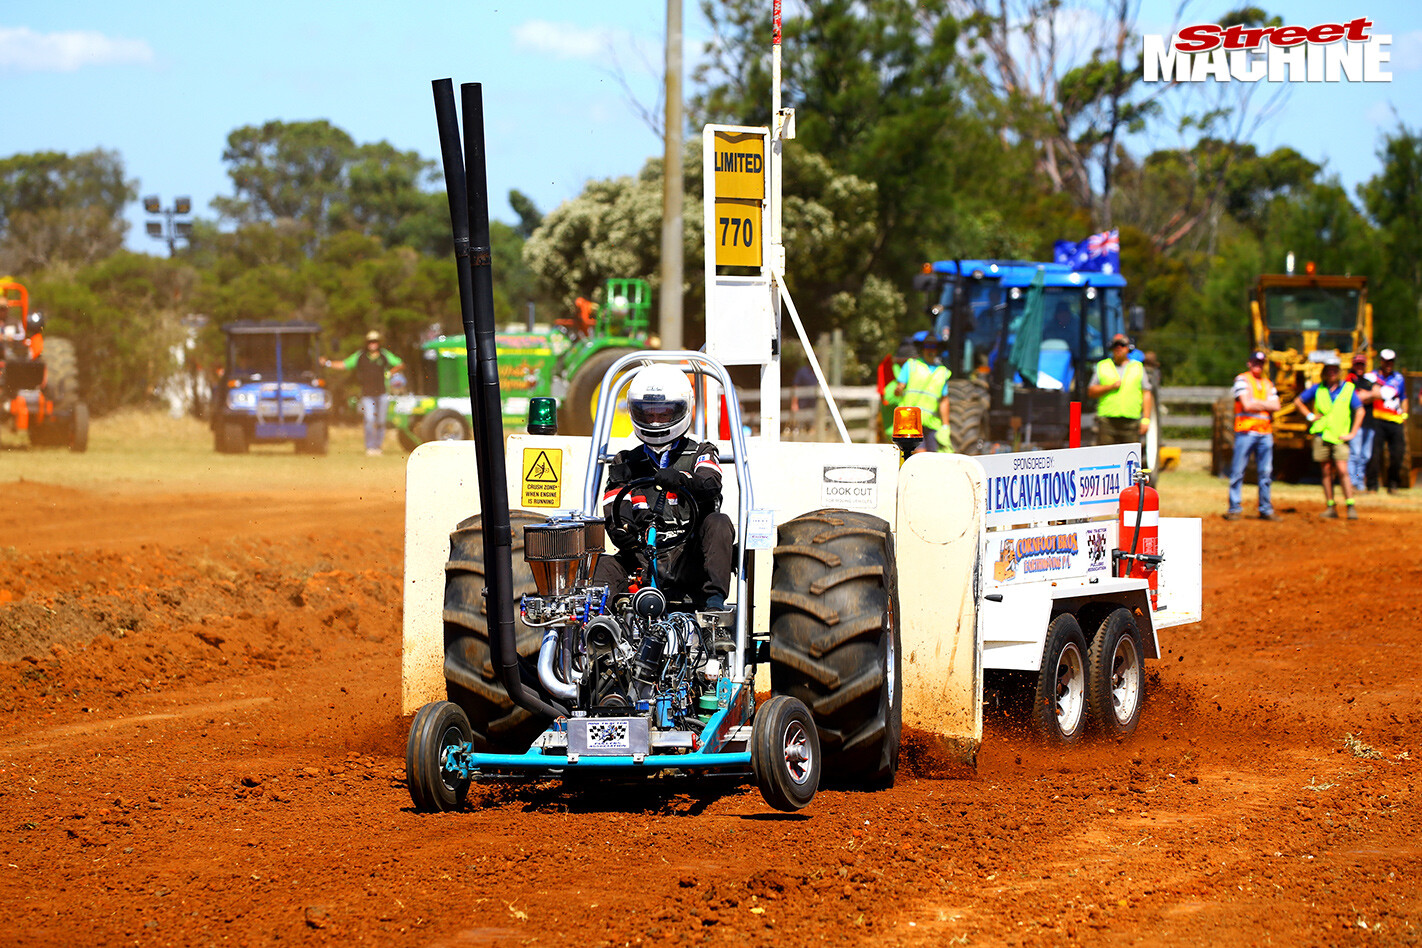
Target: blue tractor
980	311
271	389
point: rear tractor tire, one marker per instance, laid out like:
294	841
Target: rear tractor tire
498	725
575	415
967	419
61	382
443	425
834	639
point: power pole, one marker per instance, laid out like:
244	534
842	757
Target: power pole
672	188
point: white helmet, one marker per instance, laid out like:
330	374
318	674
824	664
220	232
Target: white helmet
659	402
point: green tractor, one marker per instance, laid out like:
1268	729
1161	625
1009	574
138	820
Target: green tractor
567	362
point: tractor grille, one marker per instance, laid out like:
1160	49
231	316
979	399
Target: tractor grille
291	409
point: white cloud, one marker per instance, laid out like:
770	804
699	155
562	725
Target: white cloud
24	50
564	40
1381	113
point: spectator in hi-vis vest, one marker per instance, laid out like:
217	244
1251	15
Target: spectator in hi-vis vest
1123	394
923	384
1389	422
372	366
1334	414
1255	401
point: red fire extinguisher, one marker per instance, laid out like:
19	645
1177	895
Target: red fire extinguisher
1138	534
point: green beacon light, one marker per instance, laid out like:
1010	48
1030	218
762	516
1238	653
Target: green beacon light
543	416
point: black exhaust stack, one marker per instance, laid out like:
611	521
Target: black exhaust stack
469	209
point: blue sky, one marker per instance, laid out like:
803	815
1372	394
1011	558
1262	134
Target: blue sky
163	83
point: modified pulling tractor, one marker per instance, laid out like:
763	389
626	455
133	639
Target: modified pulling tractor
39	376
860	592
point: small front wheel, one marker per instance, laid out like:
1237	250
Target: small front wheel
1115	677
785	753
1059	705
438	727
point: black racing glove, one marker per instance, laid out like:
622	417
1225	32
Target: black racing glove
670	479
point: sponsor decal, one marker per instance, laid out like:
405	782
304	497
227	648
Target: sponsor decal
1096	559
1028	556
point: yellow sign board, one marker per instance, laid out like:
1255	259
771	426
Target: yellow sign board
740	165
542	483
738	233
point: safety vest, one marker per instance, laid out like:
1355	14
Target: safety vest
1334	416
1260	422
924	389
1128	401
1391	407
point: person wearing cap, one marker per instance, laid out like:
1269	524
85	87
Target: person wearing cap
1123	393
1361	450
372	366
1255	401
1334	414
923	384
1389	422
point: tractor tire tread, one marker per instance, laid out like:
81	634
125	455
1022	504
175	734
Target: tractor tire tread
832	625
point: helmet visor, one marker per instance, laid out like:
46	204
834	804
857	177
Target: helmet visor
654	415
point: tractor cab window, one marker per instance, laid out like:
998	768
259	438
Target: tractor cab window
1293	314
980	341
258	355
1106	318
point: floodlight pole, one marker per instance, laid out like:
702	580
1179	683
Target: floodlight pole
169	229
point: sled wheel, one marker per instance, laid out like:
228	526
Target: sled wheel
785	753
1115	677
437	727
1059	705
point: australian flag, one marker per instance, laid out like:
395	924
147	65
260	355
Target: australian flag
1100	253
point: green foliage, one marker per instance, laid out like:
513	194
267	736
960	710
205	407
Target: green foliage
312	178
1393	199
61	209
124	316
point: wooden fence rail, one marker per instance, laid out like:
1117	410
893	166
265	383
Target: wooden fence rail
1187	414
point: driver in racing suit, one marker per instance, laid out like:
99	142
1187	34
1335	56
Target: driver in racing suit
659	402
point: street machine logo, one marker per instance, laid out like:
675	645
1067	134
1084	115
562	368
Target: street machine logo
1328	52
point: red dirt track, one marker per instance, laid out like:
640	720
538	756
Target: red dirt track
200	743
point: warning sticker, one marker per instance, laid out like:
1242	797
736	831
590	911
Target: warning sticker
542	487
850	486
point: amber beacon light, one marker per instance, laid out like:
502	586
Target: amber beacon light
908	430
